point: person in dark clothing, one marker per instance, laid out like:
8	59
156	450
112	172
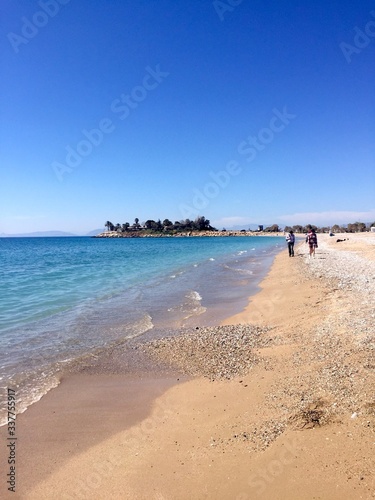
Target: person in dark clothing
312	240
290	239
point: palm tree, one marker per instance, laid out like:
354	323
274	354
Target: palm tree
109	225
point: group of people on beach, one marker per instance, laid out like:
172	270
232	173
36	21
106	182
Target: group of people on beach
311	239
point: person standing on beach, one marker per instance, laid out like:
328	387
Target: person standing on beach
290	239
312	240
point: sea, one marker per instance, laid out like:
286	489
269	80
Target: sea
63	298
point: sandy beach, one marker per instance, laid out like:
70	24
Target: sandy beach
276	403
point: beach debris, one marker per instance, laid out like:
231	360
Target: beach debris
317	413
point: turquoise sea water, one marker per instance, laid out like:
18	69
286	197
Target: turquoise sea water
63	298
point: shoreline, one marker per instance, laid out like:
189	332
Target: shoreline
126	316
270	432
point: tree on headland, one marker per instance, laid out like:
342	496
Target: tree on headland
356	227
109	225
337	229
273	229
136	224
151	224
202	223
167	223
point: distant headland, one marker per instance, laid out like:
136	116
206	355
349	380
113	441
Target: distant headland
146	234
156	229
202	227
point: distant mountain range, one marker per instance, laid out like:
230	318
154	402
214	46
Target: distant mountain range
44	234
94	232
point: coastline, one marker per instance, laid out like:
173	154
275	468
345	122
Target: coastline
185	234
282	429
163	285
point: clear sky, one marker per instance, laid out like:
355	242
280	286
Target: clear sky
247	112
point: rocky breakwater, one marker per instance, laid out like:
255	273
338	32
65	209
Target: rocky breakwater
181	234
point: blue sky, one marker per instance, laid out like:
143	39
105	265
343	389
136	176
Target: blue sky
247	112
